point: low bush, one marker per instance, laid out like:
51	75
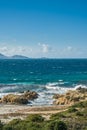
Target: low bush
7	127
57	116
72	109
56	125
79	113
81	104
35	118
1	125
14	122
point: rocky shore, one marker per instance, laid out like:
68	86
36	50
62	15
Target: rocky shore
71	97
22	98
70	108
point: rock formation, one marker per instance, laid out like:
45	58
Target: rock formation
19	99
71	97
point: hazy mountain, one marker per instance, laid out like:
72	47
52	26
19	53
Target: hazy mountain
12	57
3	56
19	57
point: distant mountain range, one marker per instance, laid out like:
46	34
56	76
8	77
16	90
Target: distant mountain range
13	57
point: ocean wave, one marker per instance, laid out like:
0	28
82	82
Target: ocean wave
8	88
14	79
60	80
80	86
52	85
43	99
55	87
45	92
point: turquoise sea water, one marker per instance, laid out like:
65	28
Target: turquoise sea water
46	76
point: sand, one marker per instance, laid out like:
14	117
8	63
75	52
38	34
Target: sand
9	112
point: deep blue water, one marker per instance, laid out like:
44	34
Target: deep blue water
42	75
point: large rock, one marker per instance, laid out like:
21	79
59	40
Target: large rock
19	99
30	95
14	99
71	97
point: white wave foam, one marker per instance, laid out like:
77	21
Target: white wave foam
60	80
56	88
55	85
9	88
14	79
52	86
78	86
3	94
45	92
43	99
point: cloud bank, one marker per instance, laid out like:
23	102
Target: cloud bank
42	50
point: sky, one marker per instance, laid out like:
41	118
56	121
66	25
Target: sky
44	28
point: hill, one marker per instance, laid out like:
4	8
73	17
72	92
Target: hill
13	57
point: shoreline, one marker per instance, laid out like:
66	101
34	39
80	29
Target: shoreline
9	112
20	110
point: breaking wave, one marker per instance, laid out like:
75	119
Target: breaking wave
45	92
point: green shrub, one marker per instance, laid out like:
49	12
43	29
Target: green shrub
7	127
1	125
24	125
56	125
81	104
35	118
79	113
72	109
14	122
35	126
11	125
85	128
57	116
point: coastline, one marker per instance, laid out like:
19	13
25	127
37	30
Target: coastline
10	112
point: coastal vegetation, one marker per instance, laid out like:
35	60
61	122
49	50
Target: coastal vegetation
74	118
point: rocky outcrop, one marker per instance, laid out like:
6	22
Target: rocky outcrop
14	99
71	97
30	95
24	98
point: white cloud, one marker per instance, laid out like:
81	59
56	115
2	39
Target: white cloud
3	49
69	48
45	48
13	50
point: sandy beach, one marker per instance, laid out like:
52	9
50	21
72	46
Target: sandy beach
10	112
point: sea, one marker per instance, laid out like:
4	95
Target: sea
45	76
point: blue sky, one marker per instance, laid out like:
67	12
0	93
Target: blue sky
44	28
